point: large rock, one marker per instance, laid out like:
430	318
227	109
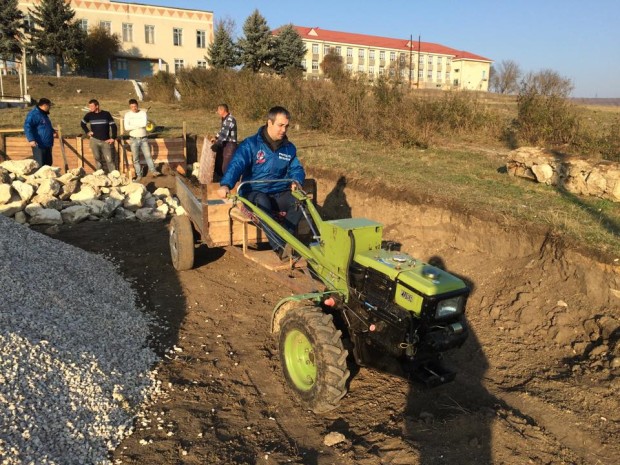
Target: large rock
85	193
96	180
20	167
47	172
49	186
16	204
25	191
48	201
75	214
46	216
150	215
5	193
68	189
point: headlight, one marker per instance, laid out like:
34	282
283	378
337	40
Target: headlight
449	307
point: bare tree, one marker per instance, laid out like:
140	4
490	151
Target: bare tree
548	83
505	78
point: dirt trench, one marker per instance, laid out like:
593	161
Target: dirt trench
537	380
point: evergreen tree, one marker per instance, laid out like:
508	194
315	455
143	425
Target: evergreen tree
99	47
222	52
288	50
11	22
56	33
256	46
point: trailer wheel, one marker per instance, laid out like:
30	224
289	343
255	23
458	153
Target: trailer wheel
313	359
182	243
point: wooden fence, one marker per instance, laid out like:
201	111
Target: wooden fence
176	152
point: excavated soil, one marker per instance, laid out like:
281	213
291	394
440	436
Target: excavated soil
537	380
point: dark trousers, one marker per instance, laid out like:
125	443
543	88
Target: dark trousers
223	156
282	204
42	155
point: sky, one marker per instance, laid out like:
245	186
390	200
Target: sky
579	39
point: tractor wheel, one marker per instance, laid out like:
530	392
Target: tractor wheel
313	358
182	243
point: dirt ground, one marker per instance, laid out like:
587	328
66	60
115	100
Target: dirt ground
537	379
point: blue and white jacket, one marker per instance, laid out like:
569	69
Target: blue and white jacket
254	161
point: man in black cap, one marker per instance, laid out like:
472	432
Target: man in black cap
40	133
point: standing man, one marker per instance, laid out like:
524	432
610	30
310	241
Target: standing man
268	155
135	122
40	133
101	141
225	143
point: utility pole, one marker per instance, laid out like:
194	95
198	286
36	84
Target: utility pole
25	75
419	58
410	58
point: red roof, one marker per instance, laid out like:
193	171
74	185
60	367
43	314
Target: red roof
316	33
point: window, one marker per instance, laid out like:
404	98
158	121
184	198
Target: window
381	70
315	65
349	67
361	53
439	60
402	58
107	25
360	68
201	64
127	32
149	34
420	74
382	56
179	64
315	49
430	59
121	63
177	36
201	39
421	59
338	50
392	56
402	72
325	49
371	54
484	75
83	24
349	52
438	77
430	75
447	77
371	70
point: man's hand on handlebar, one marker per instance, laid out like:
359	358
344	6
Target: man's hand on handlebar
223	192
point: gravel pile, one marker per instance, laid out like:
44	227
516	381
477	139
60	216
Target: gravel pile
75	366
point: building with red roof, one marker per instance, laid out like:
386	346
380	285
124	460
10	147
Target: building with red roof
423	64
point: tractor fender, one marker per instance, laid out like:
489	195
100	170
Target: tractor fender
294	301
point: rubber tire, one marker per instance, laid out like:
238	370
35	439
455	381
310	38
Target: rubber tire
327	356
182	243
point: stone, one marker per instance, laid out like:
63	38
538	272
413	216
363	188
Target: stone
135	199
110	205
5	193
75	214
20	217
149	215
47	172
95	206
48	201
96	180
49	186
85	193
544	173
333	438
20	167
13	207
46	216
25	191
162	192
68	189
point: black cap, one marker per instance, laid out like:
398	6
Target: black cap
44	101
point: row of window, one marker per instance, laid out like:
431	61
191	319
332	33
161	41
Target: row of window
361	53
371	70
149	33
122	63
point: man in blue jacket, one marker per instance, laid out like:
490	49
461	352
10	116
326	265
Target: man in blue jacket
268	155
40	133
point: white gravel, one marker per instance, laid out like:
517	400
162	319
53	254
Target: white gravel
75	366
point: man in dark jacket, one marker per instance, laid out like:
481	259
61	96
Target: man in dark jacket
268	155
102	134
225	143
40	133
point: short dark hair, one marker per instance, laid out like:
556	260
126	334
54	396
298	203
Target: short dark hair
275	111
224	106
44	101
93	100
133	101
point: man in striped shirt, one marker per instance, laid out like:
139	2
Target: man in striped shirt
225	143
102	133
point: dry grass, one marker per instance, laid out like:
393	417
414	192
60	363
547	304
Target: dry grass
465	173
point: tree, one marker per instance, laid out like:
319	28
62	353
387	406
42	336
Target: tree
288	50
99	47
505	79
222	51
548	83
56	33
11	23
256	45
333	65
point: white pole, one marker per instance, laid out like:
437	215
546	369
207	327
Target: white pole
2	83
25	73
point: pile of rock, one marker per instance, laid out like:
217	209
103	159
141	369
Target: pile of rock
574	174
34	195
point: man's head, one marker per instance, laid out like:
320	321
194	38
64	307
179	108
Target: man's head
277	122
44	104
133	105
93	105
222	110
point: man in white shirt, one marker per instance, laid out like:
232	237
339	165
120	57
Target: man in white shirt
135	122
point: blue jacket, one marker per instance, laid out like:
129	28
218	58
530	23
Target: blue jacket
254	160
38	128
